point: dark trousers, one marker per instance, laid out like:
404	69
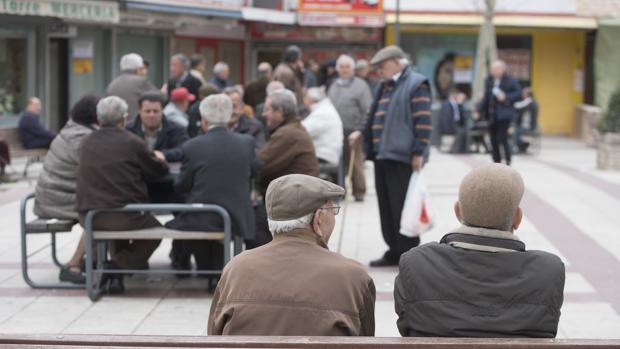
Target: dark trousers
499	137
391	182
263	235
127	254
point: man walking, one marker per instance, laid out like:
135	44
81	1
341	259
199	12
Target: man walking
352	97
500	93
396	138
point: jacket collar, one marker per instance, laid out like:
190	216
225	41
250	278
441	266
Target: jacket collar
304	234
292	121
483	239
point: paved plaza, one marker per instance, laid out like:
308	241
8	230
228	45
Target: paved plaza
571	209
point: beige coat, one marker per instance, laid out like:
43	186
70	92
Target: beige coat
293	286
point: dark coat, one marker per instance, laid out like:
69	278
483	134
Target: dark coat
255	92
531	108
130	87
253	128
113	168
218	167
293	286
492	108
194	126
169	139
32	133
290	150
191	83
219	83
448	291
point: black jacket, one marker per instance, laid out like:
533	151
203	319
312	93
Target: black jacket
448	291
32	133
252	128
218	167
492	108
169	139
191	83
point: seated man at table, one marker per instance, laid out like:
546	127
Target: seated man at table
113	167
160	135
294	286
480	280
217	168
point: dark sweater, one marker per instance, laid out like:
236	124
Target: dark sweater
113	169
32	133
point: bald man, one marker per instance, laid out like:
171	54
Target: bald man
480	280
255	91
30	129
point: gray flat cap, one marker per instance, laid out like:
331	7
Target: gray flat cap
388	52
490	195
294	196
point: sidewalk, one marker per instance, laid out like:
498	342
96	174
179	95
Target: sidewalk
570	209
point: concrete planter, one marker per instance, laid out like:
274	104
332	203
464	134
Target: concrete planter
608	154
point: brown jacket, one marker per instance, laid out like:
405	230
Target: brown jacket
293	286
113	168
288	151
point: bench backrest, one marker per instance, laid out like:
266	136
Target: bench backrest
9	134
120	341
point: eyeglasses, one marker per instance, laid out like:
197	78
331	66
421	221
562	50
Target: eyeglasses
334	209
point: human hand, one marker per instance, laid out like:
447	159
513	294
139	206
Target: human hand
417	162
159	155
354	137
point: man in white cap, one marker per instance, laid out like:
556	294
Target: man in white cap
480	281
294	286
396	138
130	84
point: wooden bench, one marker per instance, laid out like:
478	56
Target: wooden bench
120	341
42	226
99	238
11	137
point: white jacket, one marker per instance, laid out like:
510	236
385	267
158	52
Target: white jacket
325	128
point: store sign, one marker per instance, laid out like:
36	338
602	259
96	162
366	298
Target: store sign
83	10
269	31
340	19
347	6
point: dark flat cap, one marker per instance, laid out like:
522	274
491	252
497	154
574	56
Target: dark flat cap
388	52
294	196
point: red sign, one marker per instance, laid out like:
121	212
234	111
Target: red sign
268	31
340	20
360	6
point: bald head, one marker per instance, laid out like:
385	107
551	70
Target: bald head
34	105
489	197
498	68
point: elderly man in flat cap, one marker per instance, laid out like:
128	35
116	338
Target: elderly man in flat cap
480	281
396	138
294	286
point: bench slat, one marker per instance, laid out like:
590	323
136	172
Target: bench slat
41	225
156	233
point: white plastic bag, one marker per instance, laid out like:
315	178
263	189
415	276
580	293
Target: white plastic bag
417	216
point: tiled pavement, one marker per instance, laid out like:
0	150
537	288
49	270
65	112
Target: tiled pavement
570	208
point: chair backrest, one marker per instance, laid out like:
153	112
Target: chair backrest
9	134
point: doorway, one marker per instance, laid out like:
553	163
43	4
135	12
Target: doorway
58	95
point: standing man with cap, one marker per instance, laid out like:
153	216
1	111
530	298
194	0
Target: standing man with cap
396	138
294	286
131	83
489	284
176	110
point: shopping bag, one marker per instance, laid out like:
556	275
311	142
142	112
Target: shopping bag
417	216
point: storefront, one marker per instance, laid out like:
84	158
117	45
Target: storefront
551	60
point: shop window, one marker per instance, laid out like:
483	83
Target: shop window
516	51
13	75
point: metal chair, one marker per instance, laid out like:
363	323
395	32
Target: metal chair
42	226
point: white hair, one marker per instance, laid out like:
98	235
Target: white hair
499	63
345	60
219	67
274	85
131	62
361	64
282	227
316	94
286	101
182	59
111	110
216	109
404	61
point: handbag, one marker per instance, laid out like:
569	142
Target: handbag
417	216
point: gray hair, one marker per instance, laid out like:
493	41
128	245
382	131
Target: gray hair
316	94
285	101
345	59
361	64
131	62
264	69
273	86
111	110
499	63
216	109
232	90
181	58
219	67
282	227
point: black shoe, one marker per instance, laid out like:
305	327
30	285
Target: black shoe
68	275
383	262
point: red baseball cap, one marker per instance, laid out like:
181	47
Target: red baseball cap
181	94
